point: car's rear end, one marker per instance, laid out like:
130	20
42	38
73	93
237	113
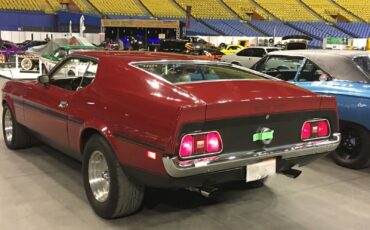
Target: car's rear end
252	127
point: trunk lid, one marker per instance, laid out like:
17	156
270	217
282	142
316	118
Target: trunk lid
228	99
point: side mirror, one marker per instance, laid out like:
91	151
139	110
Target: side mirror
43	79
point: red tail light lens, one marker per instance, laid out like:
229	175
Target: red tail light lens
315	129
323	127
199	144
306	131
186	147
213	142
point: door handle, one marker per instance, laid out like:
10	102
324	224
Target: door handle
63	104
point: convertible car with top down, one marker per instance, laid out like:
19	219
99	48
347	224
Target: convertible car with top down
141	119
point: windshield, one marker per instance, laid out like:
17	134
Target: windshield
364	63
272	50
180	72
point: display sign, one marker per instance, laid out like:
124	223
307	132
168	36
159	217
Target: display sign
140	23
337	41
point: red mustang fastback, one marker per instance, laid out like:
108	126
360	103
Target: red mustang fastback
152	119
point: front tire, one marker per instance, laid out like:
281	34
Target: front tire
15	135
354	149
109	190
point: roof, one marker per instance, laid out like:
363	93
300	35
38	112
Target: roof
132	56
316	53
338	63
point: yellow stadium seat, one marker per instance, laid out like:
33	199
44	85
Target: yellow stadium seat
163	8
328	10
118	7
245	7
211	9
287	10
360	8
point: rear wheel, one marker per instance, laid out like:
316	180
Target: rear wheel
354	149
109	190
15	135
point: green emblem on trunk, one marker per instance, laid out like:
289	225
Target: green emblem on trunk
265	135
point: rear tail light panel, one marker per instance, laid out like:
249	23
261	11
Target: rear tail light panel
315	129
202	144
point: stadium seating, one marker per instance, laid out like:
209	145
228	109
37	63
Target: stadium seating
210	9
196	28
358	7
163	8
54	5
26	5
318	30
113	7
231	27
287	10
359	30
327	10
276	28
83	6
245	7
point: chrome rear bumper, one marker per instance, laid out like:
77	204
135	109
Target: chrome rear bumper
177	168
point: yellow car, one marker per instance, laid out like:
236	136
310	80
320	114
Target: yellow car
230	49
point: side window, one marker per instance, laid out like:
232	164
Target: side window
312	72
283	67
61	53
74	74
245	53
259	52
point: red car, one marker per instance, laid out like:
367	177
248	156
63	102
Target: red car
138	119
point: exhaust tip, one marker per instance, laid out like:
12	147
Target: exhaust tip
292	173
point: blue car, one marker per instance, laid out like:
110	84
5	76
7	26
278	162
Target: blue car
343	74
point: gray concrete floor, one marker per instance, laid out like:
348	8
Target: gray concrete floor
42	189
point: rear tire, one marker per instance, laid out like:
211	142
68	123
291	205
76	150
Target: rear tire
109	190
354	149
15	135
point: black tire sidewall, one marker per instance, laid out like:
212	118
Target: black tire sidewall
107	208
362	159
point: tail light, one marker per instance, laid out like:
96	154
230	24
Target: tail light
200	144
315	129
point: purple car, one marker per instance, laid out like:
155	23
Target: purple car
7	49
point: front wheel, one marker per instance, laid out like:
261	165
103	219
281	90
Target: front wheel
27	64
15	135
354	149
109	190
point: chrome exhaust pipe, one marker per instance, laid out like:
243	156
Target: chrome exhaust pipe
206	191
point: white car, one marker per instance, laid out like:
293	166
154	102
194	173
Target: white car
248	56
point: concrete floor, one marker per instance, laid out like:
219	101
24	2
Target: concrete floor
42	189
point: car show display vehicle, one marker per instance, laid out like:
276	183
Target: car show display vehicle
343	74
8	51
230	49
167	120
50	60
248	56
53	51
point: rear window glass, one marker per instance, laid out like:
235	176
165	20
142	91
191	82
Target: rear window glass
181	72
271	50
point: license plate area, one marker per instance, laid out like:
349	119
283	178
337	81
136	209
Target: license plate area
261	170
